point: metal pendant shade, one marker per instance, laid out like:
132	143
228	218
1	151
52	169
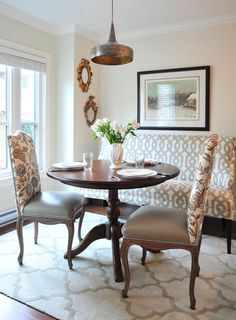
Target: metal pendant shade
111	52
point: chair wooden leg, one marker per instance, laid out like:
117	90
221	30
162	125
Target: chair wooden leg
144	256
70	228
194	270
229	235
19	229
198	266
80	225
36	232
227	227
124	257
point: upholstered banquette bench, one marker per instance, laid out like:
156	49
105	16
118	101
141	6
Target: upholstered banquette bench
182	151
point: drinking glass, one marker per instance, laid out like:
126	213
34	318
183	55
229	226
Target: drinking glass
88	161
139	159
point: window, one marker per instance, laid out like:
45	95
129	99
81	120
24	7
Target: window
22	98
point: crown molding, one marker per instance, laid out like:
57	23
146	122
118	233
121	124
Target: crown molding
79	29
177	27
27	19
190	25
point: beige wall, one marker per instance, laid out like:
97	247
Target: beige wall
214	46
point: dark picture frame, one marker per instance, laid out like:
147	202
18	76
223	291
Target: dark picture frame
174	99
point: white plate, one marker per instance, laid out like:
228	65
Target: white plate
136	173
68	165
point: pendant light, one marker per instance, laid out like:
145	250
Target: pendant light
111	52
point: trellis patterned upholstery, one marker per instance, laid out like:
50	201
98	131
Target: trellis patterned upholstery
182	151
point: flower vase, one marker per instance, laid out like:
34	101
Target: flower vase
117	153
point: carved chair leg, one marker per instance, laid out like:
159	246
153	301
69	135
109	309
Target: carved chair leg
19	229
198	266
80	224
124	257
70	227
36	232
144	256
194	269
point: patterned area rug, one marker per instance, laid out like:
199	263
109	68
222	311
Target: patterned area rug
158	290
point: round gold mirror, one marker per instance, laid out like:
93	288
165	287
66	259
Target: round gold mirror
84	75
90	111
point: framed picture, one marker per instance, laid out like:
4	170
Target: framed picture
174	99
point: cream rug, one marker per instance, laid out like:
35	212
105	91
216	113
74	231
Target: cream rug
158	291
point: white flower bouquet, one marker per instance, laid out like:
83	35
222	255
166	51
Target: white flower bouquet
113	132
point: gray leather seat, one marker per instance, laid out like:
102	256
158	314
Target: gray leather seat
150	223
54	205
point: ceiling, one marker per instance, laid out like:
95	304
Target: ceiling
131	17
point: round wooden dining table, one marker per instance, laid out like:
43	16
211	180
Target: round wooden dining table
102	177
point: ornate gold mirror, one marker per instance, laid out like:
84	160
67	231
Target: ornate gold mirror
84	75
90	111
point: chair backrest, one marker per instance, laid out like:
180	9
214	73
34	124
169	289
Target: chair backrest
24	168
199	192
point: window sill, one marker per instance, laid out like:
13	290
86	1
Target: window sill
6	181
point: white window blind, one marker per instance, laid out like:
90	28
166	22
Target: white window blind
20	59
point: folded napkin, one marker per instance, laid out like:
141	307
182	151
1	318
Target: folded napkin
147	163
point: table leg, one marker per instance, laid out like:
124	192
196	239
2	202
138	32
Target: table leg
114	232
97	232
115	236
110	230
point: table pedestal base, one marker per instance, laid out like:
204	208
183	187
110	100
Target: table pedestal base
110	230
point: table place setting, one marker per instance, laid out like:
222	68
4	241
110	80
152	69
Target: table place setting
86	164
67	166
136	173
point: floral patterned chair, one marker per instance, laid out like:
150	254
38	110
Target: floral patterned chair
155	228
51	207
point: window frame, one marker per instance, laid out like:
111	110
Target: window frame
12	123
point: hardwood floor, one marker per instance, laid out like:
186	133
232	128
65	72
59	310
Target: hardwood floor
14	310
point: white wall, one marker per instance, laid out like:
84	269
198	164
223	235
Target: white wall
83	134
74	136
65	104
214	46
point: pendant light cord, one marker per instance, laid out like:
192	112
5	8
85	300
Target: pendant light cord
112	11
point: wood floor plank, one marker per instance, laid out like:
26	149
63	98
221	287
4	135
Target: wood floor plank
15	310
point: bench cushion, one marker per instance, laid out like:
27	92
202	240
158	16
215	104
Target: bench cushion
175	194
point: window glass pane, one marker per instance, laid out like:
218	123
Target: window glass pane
29	128
3	115
3	140
27	95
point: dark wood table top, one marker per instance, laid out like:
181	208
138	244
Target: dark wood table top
102	176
